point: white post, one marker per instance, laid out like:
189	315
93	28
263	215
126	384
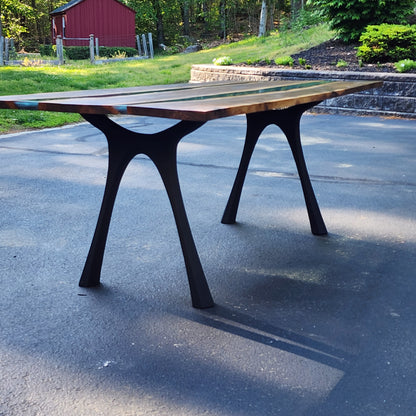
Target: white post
144	46
60	49
1	50
97	47
151	46
139	46
92	57
12	49
6	49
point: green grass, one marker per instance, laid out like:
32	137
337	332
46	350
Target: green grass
161	70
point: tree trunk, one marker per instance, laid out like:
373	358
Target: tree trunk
223	20
159	22
263	19
270	14
185	17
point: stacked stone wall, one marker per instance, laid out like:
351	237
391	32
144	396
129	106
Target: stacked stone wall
396	98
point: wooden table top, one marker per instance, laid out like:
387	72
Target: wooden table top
192	101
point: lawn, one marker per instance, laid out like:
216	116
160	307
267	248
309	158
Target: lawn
78	75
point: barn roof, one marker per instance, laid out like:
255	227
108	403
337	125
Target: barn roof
66	6
73	3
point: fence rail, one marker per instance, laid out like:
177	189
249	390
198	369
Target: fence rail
144	48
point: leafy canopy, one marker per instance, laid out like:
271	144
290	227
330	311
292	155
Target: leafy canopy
349	18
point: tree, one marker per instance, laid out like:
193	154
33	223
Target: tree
263	19
11	15
350	17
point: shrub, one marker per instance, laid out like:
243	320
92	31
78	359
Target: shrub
341	64
114	51
350	17
223	60
83	52
46	50
77	52
405	65
387	43
284	60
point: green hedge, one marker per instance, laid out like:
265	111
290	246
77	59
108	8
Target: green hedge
77	52
46	50
108	52
83	52
387	43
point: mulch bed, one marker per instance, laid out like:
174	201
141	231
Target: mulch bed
325	57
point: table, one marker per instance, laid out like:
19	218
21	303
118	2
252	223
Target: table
269	102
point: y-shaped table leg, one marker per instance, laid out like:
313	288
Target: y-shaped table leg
123	146
289	121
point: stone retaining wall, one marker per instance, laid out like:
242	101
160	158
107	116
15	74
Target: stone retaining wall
396	98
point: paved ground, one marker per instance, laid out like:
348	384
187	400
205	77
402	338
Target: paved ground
303	325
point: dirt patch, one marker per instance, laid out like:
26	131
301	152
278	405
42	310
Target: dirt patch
332	56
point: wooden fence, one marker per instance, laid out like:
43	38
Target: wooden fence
144	48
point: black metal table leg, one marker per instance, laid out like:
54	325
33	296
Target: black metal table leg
289	121
161	148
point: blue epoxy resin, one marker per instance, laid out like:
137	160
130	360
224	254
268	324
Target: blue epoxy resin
27	105
122	109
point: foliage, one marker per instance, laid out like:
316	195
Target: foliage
116	52
77	52
405	65
341	64
83	52
170	21
223	60
31	62
27	21
387	43
284	60
46	50
302	18
350	17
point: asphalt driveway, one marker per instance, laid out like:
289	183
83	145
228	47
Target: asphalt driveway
303	325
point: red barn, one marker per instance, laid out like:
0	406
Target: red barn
111	22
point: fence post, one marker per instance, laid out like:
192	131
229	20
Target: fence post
139	46
6	48
1	50
12	54
60	50
151	46
92	57
144	46
97	47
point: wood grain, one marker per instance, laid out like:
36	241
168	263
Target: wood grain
199	102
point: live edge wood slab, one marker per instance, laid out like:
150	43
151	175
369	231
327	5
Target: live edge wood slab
197	102
270	102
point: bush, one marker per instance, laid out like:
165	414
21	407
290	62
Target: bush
350	17
77	52
223	60
46	50
284	60
83	52
405	65
387	43
111	51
